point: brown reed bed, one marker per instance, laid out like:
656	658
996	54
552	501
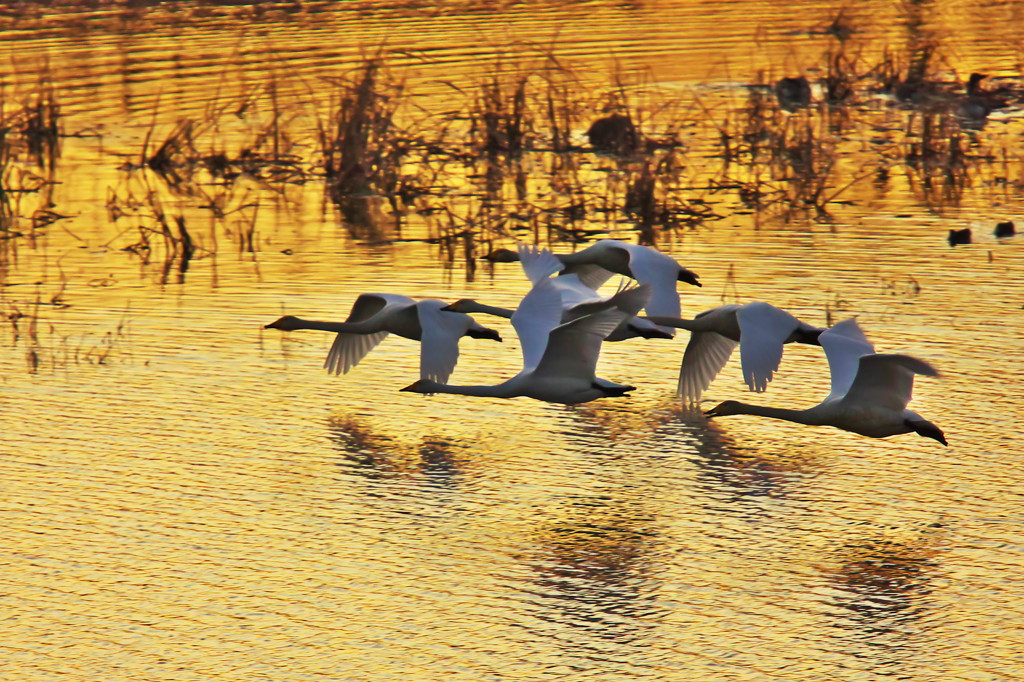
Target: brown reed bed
783	163
190	167
360	145
527	151
501	120
376	167
160	237
31	123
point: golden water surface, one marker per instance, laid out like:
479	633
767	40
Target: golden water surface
187	496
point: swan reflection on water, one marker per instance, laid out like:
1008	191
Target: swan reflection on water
590	568
598	424
883	583
668	429
732	472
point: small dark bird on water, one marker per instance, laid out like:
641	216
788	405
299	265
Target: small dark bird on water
959	236
979	103
1004	229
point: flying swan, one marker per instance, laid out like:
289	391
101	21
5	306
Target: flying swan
578	299
870	391
374	316
595	264
559	359
760	329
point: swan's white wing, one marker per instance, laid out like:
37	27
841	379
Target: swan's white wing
844	344
538	263
439	341
632	300
348	349
538	313
588	304
705	356
886	380
593	276
369	305
661	272
574	291
763	333
577	298
573	348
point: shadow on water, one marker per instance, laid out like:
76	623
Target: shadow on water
596	424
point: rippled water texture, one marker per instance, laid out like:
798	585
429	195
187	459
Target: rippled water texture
187	495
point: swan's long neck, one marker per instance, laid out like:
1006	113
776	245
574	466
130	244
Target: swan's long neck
798	416
611	259
349	327
570	258
475	307
496	391
806	334
679	323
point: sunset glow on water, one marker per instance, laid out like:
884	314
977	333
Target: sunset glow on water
188	495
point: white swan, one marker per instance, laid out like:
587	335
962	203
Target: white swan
631	328
760	329
599	261
559	360
374	316
578	299
869	395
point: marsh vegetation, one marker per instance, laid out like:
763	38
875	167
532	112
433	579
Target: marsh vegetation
529	150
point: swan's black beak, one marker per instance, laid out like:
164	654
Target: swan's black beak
483	334
935	433
688	276
726	409
417	386
614	391
928	430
